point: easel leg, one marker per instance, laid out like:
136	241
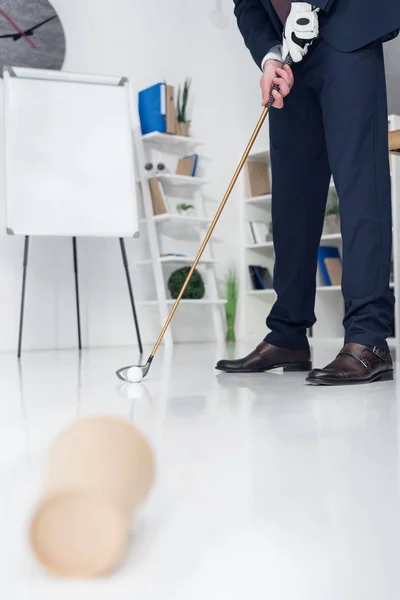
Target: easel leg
21	315
128	279
78	312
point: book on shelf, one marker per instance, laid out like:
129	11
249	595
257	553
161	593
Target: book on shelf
258	232
158	199
251	233
157	109
330	265
187	165
261	278
172	254
171	126
335	270
258	178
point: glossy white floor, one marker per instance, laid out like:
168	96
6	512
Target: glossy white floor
267	488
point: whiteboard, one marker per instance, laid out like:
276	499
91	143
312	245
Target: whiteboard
68	156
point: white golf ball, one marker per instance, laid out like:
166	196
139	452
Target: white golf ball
134	374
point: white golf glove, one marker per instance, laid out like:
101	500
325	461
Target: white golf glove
301	29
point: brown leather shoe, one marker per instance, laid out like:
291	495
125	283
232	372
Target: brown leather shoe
266	357
355	364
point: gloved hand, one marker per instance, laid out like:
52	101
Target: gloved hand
301	29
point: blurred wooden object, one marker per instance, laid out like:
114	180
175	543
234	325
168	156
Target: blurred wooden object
394	141
99	471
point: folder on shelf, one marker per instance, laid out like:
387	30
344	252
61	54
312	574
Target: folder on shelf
255	281
258	178
158	199
252	233
157	109
260	277
330	265
394	141
171	112
260	229
334	268
187	165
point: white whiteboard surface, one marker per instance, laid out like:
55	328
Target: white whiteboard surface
68	159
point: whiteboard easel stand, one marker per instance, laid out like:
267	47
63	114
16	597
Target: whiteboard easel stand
103	100
78	312
76	276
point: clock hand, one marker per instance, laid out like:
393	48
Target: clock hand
32	29
10	35
18	36
5	15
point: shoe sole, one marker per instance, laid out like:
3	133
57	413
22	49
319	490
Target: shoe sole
300	367
385	376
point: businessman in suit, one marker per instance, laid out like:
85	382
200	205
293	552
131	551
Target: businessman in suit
329	118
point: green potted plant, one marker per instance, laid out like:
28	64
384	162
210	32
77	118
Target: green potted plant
231	295
332	219
195	289
182	104
183	208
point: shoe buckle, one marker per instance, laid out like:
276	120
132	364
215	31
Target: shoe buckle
380	353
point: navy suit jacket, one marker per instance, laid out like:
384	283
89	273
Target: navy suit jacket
346	25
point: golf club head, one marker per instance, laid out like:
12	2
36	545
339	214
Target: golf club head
122	373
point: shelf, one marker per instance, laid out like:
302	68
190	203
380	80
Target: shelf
181	180
260	155
178	259
156	138
330	303
268	292
265	199
270	245
331	237
329	288
264	246
181	230
320	288
181	219
203	301
181	227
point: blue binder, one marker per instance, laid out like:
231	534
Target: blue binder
195	161
323	253
153	109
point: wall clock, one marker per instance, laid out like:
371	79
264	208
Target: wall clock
31	35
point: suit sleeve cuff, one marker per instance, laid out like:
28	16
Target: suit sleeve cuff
274	54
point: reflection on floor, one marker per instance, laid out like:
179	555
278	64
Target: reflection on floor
267	488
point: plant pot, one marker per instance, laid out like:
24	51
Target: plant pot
183	129
331	224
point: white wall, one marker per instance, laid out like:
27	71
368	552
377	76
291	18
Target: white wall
149	42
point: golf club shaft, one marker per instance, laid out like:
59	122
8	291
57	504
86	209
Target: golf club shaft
213	224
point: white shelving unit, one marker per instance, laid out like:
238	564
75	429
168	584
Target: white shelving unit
174	233
329	306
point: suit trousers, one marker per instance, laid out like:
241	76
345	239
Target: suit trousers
334	122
